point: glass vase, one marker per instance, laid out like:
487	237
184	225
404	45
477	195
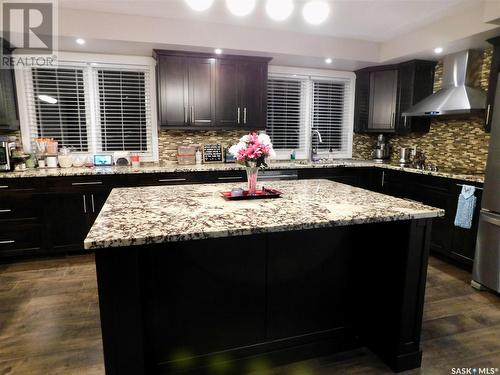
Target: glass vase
252	172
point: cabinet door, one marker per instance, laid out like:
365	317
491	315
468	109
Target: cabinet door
253	83
173	91
227	102
383	94
97	200
8	104
201	73
362	106
66	218
463	245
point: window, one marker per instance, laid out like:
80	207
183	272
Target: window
299	103
60	106
329	115
285	113
91	106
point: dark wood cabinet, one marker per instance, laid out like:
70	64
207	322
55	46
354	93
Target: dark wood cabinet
253	98
416	81
452	242
186	91
203	91
383	93
492	83
9	119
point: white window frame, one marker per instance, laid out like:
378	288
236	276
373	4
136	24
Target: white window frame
276	71
89	62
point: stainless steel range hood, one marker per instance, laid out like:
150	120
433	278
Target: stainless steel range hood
460	93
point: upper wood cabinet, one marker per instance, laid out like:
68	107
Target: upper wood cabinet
383	93
492	83
203	91
9	119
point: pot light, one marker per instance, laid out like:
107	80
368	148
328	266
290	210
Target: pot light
217	51
80	41
328	60
240	8
438	50
279	10
200	5
47	99
316	12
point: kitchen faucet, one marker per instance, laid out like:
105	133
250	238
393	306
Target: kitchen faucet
314	150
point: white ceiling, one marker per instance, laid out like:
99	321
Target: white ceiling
370	20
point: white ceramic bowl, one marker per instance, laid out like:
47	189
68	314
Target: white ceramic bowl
78	160
65	161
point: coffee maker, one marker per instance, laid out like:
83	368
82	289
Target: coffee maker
382	151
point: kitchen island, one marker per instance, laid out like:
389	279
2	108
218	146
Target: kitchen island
191	283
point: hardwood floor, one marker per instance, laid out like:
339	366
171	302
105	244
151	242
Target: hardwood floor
49	324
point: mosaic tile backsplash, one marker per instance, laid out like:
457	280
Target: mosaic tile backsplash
169	140
453	143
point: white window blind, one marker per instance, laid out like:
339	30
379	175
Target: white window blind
124	113
58	105
330	114
286	114
91	107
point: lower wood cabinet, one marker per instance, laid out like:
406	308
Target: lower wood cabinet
447	240
52	216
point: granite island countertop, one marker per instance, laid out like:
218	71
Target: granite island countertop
176	168
157	214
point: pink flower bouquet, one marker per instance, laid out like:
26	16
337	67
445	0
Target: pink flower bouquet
252	150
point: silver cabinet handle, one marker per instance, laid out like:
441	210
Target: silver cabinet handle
172	180
393	119
230	178
4	187
185	115
383	178
84	204
86	183
5	210
405	121
239	114
245	115
264	177
192	115
6	242
488	114
92	200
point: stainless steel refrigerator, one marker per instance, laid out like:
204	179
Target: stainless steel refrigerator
486	271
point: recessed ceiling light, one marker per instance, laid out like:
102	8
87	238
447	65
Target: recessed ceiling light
279	10
47	99
316	12
200	5
218	51
438	50
240	8
80	41
328	60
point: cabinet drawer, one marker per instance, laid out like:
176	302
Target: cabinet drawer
8	185
156	179
20	238
84	183
18	206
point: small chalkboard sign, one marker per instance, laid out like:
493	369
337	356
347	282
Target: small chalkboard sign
213	153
